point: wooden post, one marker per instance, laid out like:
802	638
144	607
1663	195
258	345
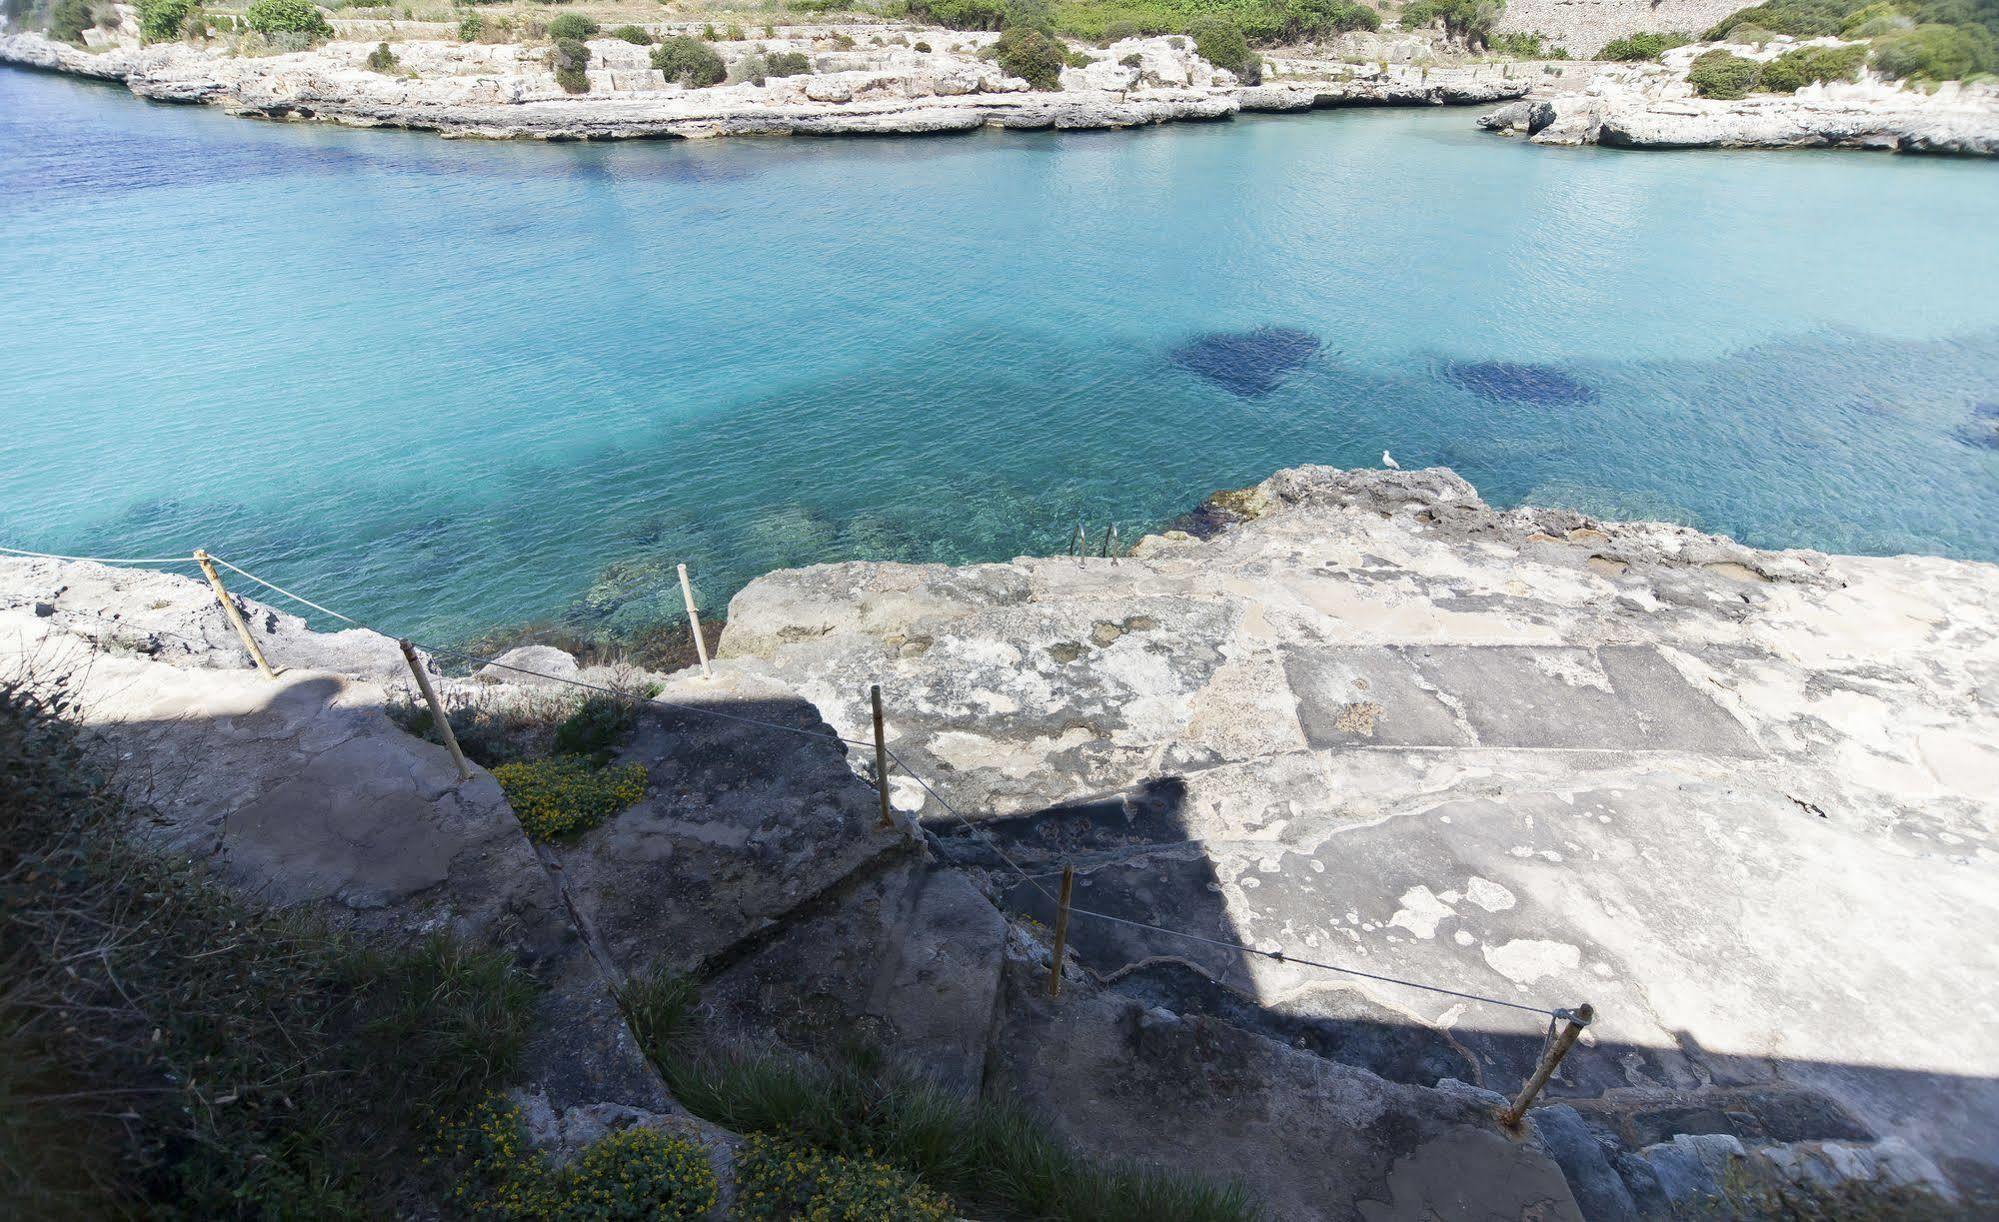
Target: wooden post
1061	932
235	616
694	623
1572	1028
881	756
436	711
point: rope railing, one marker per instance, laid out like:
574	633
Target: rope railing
1575	1019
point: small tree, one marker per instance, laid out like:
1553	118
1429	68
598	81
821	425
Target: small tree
689	61
569	57
570	25
268	17
1723	75
383	60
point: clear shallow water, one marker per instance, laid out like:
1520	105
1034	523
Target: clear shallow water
456	385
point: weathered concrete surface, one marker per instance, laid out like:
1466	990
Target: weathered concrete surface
300	792
1743	802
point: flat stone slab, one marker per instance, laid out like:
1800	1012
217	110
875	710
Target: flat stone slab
1610	698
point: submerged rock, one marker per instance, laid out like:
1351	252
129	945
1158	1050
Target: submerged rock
1519	383
1247	363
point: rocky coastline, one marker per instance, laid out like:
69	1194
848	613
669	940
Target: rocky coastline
508	92
1652	106
1741	801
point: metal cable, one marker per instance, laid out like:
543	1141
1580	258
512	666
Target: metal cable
17	551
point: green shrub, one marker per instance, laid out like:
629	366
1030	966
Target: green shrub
1798	18
1468	21
752	68
470	27
960	14
780	1179
570	58
794	63
558	796
1935	53
1222	44
1526	46
573	26
689	62
1873	20
635	35
636	1174
1638	47
1304	20
1031	55
1793	70
162	20
1723	75
1134	60
270	17
68	19
596	728
922	46
710	34
383	60
1118	31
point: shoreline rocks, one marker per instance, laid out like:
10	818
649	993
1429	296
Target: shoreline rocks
506	91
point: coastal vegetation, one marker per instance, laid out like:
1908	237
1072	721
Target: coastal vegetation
166	1050
570	25
1723	75
879	1122
162	20
570	59
689	61
300	19
1923	41
1261	22
1636	47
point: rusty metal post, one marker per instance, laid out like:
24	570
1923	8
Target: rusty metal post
694	623
1061	932
881	756
1551	1057
235	616
436	711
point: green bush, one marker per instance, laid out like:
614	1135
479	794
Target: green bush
1118	31
68	19
162	20
570	25
1793	70
1304	20
780	1179
636	1174
1638	47
1222	44
1873	20
960	14
689	62
383	60
1723	75
596	728
1468	21
797	63
1526	46
570	58
554	797
632	34
1932	53
1032	55
752	68
269	17
1798	18
470	27
1134	60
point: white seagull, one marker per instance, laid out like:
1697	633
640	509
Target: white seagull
1388	460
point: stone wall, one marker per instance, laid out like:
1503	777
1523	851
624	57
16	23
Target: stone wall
1581	27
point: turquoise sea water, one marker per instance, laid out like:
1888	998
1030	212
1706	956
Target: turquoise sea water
456	385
